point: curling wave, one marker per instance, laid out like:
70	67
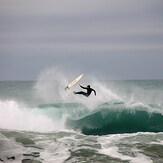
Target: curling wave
113	121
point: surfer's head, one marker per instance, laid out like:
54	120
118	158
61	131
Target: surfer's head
88	86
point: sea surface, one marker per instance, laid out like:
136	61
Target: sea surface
40	122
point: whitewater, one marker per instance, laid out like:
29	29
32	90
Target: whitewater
40	122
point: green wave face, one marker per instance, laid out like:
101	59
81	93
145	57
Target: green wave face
110	121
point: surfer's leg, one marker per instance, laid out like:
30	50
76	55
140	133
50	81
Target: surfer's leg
81	93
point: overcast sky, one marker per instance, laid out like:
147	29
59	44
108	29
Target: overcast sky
110	39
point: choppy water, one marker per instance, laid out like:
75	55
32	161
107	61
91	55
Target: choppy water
40	121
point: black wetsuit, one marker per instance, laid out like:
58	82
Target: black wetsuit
89	91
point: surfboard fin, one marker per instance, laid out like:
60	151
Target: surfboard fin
66	88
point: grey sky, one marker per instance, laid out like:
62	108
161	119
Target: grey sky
111	39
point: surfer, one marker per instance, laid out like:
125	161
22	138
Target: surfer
89	91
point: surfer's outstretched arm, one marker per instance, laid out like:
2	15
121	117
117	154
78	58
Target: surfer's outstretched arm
94	91
83	87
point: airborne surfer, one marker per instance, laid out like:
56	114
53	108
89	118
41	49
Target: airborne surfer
89	91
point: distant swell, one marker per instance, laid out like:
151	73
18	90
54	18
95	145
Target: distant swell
118	121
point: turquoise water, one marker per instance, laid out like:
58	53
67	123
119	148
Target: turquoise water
40	121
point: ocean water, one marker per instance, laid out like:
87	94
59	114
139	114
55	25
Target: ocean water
41	122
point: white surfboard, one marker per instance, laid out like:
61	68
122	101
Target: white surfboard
74	82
